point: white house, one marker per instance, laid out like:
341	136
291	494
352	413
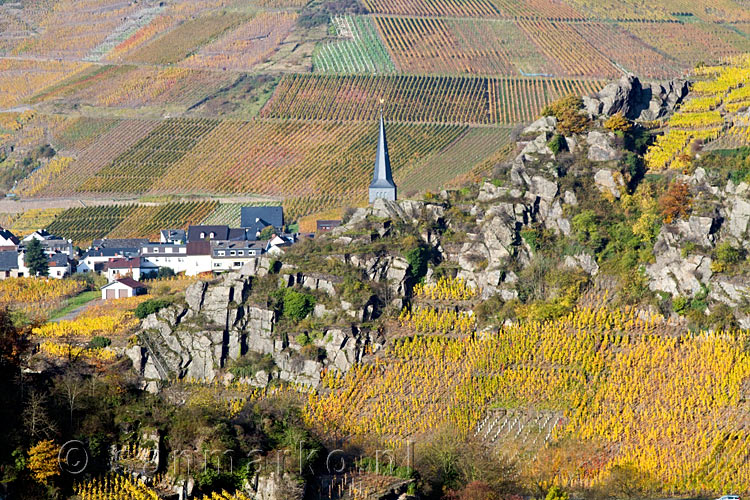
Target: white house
198	258
173	256
95	259
122	288
52	244
8	240
226	255
135	268
59	265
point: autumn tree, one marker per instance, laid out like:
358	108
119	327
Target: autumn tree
42	461
567	110
675	202
618	123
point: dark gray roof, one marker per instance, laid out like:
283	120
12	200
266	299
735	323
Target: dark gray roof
58	260
8	260
194	232
174	234
382	177
111	252
4	233
267	216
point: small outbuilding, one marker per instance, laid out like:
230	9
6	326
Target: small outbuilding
122	288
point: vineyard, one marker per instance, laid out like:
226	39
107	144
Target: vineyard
251	43
177	44
37	297
85	224
418	99
593	367
706	117
358	49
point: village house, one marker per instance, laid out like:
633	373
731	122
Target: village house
256	219
134	267
171	255
227	255
122	288
198	257
8	240
174	236
9	264
52	244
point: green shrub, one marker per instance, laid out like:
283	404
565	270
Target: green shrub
151	306
293	304
99	342
418	258
557	144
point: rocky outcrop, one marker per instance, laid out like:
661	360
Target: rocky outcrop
609	182
216	324
635	100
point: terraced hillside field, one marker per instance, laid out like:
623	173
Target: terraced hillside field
419	99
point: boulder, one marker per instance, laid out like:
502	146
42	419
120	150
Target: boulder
609	182
635	100
543	124
601	146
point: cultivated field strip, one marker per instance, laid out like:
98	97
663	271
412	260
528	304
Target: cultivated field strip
450	100
358	49
84	224
503	9
99	154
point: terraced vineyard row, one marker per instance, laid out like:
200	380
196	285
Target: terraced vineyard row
414	99
99	154
140	166
358	49
476	8
252	43
85	224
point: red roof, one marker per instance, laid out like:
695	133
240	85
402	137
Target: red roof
129	282
125	263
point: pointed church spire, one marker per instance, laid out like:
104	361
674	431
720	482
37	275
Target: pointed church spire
382	185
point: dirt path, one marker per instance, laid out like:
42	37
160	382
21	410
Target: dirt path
78	310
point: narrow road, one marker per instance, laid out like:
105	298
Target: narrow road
78	310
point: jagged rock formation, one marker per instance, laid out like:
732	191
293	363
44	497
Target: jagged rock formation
636	101
216	324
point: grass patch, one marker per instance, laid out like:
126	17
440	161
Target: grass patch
74	302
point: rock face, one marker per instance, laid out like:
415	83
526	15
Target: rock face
636	101
216	325
601	146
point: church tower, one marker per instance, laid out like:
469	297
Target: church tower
382	185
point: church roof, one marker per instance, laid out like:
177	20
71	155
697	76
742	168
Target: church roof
382	177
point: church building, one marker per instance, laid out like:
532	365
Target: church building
382	185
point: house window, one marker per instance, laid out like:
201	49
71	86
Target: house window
238	264
221	253
216	264
240	252
203	235
213	235
232	252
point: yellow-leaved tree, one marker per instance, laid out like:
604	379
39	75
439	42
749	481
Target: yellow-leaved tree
43	460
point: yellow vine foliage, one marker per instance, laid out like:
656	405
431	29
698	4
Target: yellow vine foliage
113	486
87	327
426	319
446	289
672	402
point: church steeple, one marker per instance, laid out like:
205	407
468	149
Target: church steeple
382	185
